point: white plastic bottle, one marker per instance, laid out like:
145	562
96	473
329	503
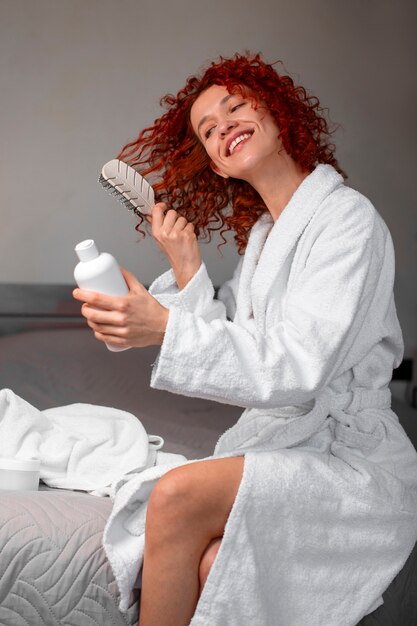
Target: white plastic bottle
99	272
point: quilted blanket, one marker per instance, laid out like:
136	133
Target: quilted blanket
53	569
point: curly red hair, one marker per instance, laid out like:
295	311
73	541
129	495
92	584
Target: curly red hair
173	159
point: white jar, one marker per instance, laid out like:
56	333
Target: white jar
19	474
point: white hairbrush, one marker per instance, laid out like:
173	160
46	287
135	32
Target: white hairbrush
128	186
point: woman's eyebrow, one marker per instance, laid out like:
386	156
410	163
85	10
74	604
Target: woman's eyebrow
205	117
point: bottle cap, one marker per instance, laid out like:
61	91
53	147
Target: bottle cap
86	250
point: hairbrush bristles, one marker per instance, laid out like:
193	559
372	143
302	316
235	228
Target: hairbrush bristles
128	186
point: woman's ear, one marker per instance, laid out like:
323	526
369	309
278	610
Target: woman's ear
218	171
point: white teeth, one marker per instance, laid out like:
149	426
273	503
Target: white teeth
236	141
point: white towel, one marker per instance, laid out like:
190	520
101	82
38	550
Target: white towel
81	446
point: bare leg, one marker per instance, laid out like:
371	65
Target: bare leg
207	560
188	507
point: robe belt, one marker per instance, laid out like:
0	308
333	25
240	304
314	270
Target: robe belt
342	405
366	432
340	408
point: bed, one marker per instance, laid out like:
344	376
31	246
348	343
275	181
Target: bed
53	569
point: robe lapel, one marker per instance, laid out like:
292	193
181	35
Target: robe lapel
286	231
257	238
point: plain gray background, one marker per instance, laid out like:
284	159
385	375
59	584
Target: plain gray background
80	78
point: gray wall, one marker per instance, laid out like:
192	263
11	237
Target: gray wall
79	78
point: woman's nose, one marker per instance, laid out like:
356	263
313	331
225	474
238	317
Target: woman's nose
226	126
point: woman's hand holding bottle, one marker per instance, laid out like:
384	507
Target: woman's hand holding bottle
135	320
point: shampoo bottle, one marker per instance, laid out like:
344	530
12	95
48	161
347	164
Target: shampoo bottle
99	272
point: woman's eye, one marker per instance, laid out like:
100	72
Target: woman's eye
236	107
208	132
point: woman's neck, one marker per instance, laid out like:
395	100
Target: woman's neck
276	185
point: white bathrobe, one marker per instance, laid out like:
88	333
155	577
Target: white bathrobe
305	337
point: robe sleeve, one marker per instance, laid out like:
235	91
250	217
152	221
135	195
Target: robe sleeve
196	297
198	294
292	361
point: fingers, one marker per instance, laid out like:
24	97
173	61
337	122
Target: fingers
131	280
111	338
167	221
107	326
134	320
109	303
101	301
173	221
96	299
100	316
108	331
157	216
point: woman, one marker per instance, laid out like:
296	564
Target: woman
316	482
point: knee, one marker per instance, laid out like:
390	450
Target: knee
169	496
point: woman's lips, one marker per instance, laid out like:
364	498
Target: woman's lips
237	140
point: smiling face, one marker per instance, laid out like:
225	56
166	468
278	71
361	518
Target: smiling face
240	140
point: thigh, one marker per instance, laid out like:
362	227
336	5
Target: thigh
201	493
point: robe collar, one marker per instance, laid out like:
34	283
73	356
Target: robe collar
270	243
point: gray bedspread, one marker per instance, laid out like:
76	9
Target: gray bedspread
54	571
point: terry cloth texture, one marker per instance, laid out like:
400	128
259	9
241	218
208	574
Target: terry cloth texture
305	337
